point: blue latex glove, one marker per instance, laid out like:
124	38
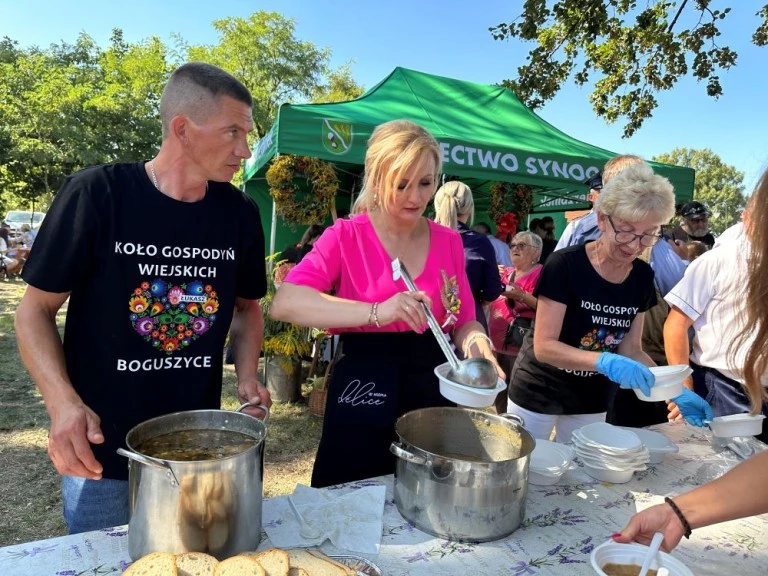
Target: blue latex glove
693	407
626	372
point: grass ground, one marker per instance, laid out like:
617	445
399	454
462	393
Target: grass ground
30	495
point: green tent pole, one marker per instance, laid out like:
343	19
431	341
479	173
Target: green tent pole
273	230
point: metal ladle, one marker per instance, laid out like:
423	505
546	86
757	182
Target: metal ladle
475	372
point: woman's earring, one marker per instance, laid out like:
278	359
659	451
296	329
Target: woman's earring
375	200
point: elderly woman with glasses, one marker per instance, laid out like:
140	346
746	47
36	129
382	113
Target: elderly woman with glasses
589	318
511	314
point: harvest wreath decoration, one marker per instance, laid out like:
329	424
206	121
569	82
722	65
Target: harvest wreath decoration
291	204
510	204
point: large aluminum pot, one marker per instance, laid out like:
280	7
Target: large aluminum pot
211	506
462	474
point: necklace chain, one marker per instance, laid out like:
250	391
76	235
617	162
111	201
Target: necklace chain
154	176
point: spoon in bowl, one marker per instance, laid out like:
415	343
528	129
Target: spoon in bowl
653	549
305	529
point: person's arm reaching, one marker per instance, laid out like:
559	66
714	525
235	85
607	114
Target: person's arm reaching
246	334
676	347
740	493
74	426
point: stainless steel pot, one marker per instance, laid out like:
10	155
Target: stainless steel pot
462	474
211	506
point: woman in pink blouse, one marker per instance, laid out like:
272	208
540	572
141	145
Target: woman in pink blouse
511	314
387	354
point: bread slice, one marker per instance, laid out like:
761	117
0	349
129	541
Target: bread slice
297	572
195	564
314	565
274	561
153	564
318	554
239	566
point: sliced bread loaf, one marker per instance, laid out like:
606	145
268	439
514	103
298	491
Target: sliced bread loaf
153	564
274	561
239	566
195	564
314	565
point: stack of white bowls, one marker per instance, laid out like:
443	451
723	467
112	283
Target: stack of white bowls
610	453
549	461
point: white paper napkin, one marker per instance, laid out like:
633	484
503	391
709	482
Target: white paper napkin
351	520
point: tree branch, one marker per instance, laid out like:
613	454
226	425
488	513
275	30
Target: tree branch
679	11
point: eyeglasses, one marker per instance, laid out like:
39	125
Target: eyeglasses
623	237
698	219
518	246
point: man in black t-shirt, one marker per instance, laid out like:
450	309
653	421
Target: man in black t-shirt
159	261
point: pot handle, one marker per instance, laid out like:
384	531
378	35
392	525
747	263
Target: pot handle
154	462
515	418
260	407
398	450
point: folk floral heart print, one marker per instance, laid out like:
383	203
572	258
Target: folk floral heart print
172	316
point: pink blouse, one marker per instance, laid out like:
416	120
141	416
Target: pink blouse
502	314
350	259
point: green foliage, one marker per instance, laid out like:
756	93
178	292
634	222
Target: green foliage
718	185
263	53
633	49
283	338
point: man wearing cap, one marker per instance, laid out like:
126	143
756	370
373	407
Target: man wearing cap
694	225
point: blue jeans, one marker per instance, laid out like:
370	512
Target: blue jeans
725	396
94	504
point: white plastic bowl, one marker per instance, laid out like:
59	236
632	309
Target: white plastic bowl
662	391
674	372
657	444
605	475
466	395
634	553
736	425
604	435
549	461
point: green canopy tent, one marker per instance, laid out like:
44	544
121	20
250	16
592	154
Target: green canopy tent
486	135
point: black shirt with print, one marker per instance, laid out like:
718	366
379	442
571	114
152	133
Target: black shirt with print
152	284
598	316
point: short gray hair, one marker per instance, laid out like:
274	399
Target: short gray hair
530	238
637	193
194	90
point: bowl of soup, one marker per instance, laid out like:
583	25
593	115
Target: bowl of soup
615	559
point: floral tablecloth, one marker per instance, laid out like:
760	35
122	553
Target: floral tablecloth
563	524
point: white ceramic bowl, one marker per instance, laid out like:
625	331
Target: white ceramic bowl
736	425
602	434
466	395
657	444
661	391
634	553
605	475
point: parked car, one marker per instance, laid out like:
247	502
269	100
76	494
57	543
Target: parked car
15	219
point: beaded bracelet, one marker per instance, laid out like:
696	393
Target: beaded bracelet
680	516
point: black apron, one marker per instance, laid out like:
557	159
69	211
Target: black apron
379	377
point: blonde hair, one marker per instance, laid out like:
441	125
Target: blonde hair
454	199
637	193
756	325
393	148
618	163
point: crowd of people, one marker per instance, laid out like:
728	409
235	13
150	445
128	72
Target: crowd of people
571	325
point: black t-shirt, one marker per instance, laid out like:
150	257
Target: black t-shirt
597	317
153	283
679	234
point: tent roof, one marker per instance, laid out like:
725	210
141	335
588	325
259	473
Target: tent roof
485	132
